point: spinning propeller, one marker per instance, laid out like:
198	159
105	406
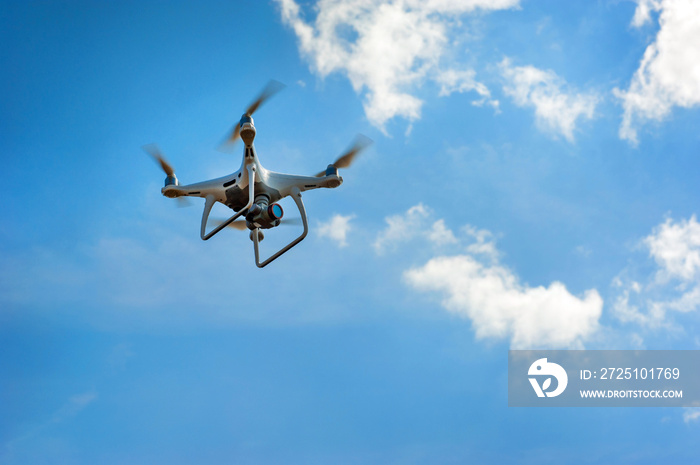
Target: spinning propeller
171	179
154	151
361	142
242	225
270	89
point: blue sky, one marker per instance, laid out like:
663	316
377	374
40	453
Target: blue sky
532	184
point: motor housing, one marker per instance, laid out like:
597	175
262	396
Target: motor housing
171	181
247	129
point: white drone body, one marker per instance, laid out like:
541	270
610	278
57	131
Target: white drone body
252	192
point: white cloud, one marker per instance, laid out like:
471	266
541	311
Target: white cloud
691	414
464	81
387	48
484	244
669	72
337	229
441	234
650	307
556	111
501	307
401	228
473	284
642	14
628	312
416	222
676	248
675	286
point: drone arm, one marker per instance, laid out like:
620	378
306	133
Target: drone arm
209	203
284	183
296	196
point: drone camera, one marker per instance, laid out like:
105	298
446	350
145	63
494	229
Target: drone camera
263	215
275	212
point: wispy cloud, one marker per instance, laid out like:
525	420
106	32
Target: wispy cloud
452	81
387	48
557	109
125	273
691	414
337	229
669	72
674	287
415	222
163	276
73	406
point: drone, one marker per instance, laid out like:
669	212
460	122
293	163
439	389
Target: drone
253	191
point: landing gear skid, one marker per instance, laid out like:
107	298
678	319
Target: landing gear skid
211	200
296	196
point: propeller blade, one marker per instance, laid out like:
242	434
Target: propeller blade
232	136
154	151
241	225
345	160
361	142
290	221
183	202
270	89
